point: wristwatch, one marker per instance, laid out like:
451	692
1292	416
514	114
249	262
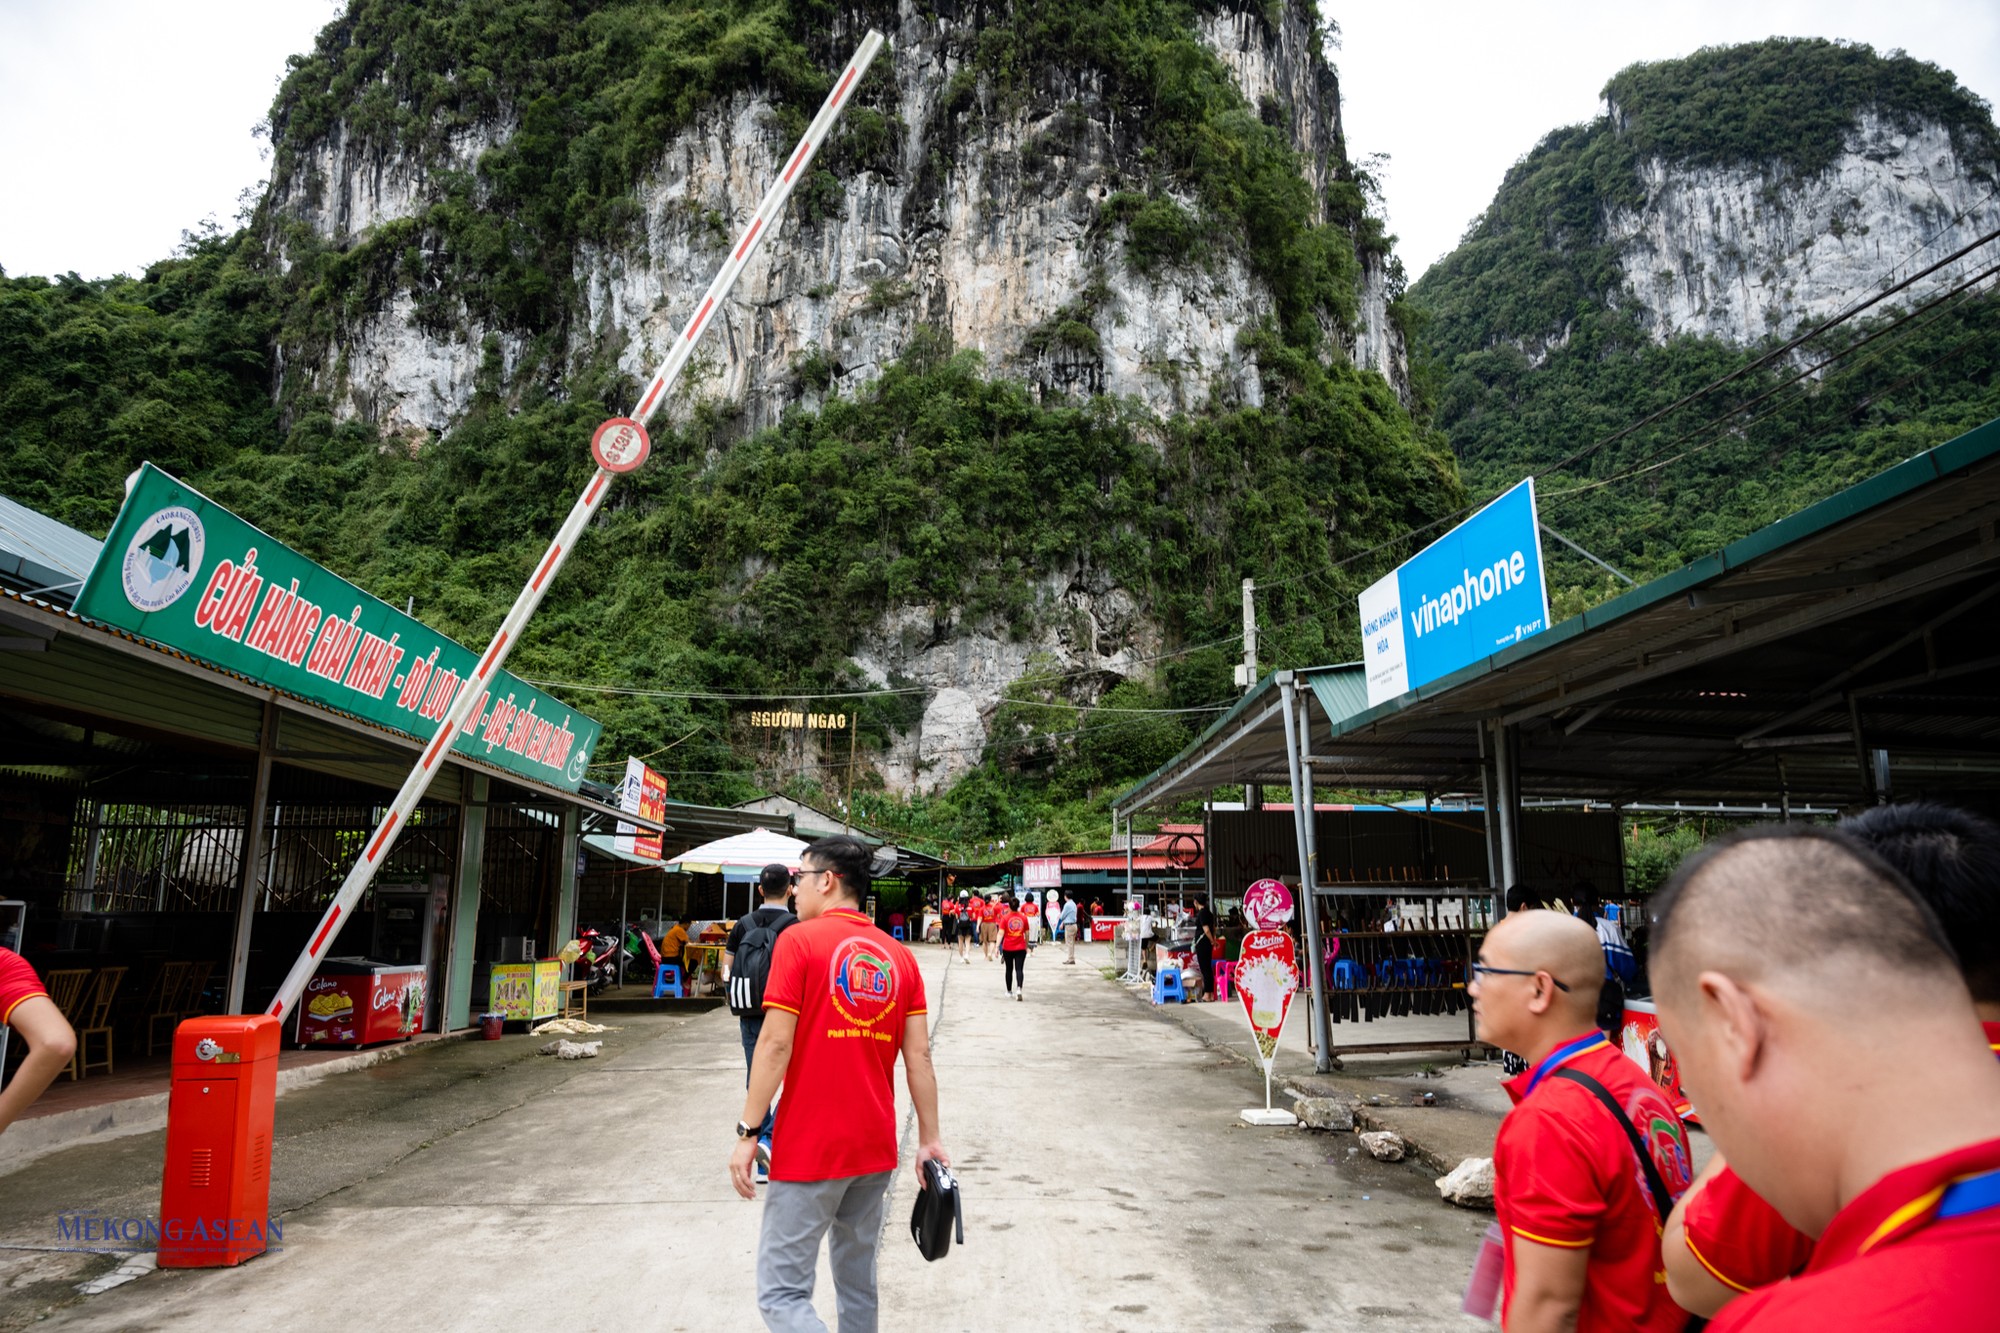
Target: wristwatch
744	1131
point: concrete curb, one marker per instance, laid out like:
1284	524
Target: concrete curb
29	1140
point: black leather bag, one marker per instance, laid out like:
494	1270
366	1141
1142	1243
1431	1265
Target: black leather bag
938	1214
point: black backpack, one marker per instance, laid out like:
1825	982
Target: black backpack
750	965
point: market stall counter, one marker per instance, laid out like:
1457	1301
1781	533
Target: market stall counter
520	992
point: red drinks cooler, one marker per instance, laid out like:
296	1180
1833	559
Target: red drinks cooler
1104	929
1646	1046
215	1197
353	1002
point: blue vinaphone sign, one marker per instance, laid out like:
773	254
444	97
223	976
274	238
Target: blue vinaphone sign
1475	590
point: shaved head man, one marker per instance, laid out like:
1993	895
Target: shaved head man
1821	1023
1579	1207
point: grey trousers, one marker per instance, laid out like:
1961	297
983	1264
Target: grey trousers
796	1215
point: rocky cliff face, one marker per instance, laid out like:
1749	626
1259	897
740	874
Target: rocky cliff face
1741	254
994	236
977	215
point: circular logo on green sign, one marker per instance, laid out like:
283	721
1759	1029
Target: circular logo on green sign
163	559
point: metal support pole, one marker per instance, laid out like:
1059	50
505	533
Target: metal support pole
1302	817
93	845
1504	743
473	691
1321	1020
1489	819
251	847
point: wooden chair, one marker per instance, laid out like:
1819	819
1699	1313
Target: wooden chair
193	985
66	989
167	989
97	1021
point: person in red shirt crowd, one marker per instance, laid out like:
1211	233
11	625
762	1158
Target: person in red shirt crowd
26	1007
948	924
1724	1240
1577	1206
1014	928
1801	983
842	998
989	925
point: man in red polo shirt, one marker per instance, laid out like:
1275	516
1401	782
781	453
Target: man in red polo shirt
1723	1240
1802	983
26	1007
1577	1208
841	1000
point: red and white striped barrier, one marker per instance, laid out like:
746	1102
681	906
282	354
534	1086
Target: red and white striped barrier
619	446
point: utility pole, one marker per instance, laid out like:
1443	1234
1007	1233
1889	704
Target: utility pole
1253	796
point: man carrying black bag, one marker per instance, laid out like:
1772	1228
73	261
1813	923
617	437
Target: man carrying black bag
843	1002
746	965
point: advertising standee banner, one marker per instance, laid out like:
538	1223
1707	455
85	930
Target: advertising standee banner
1475	590
643	793
180	569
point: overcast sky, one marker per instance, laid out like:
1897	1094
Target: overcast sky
125	122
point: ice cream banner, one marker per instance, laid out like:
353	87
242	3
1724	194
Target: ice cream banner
1267	976
180	569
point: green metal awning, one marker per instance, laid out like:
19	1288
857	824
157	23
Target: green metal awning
1782	662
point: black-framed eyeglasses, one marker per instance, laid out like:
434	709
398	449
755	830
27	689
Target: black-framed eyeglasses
803	873
1482	970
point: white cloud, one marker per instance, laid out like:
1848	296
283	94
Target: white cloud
124	123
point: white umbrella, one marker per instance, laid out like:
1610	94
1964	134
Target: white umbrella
740	851
740	856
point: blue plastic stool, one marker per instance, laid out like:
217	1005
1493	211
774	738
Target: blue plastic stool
896	932
667	981
1347	975
1167	985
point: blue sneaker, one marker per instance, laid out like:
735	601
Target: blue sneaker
760	1171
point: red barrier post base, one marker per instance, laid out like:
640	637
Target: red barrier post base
221	1109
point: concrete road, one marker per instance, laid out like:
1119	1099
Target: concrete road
1109	1185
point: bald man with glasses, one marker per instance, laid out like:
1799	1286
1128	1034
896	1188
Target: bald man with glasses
1591	1156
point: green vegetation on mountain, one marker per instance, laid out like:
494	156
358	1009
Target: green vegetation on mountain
1534	352
733	565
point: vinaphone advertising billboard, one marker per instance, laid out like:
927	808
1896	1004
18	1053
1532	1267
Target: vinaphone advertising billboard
1475	590
180	569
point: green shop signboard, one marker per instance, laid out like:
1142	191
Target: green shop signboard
180	569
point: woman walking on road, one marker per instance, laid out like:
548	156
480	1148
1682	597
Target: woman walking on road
1014	948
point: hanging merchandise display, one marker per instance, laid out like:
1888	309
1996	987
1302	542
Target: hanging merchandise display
1266	977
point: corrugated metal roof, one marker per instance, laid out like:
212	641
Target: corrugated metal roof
41	556
1342	691
1770	665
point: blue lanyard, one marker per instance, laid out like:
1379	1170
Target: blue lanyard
1974	1194
1558	1056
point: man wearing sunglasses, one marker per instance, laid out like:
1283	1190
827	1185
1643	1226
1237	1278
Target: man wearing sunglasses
1576	1201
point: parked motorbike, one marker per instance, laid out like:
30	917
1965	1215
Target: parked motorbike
600	958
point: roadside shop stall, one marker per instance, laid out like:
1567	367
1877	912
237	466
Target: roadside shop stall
1840	657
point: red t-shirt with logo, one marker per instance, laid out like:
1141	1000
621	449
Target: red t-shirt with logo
852	987
1014	930
18	982
1743	1241
1566	1175
1887	1262
1032	908
949	907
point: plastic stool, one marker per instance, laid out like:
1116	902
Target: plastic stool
1347	975
896	932
667	981
1225	971
1167	985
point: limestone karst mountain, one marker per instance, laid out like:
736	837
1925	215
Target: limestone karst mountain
1721	206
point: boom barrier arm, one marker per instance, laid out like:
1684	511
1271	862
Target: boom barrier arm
632	437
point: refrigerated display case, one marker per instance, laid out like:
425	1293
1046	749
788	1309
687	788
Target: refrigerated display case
358	1002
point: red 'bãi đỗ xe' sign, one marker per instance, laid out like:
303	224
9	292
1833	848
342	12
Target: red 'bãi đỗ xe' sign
180	569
